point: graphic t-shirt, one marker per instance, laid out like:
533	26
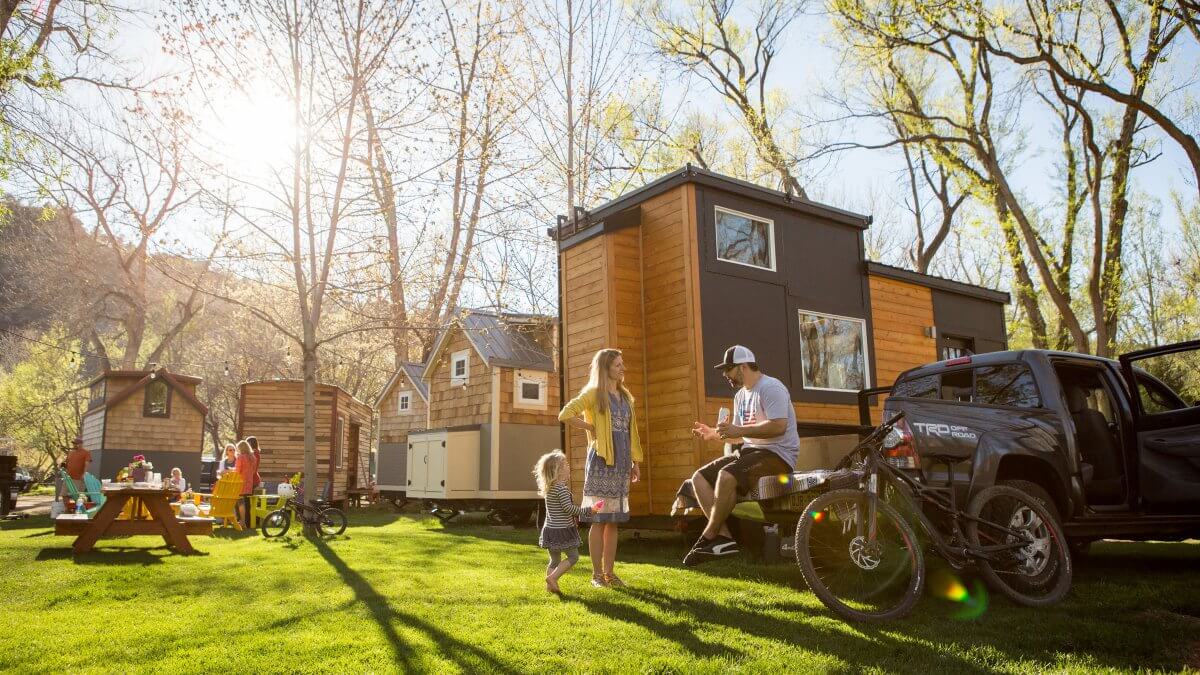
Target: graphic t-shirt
768	400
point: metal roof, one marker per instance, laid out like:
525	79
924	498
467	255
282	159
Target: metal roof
500	342
415	373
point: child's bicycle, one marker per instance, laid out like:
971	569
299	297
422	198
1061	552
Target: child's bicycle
327	520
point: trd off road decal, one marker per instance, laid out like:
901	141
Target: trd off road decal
945	431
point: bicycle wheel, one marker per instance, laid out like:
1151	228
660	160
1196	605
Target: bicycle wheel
859	580
1036	574
276	523
331	522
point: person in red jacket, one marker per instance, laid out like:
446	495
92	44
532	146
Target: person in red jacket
253	443
245	468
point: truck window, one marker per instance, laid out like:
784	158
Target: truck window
956	386
918	387
1011	385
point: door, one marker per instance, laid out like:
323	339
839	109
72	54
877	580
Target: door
436	481
418	465
1165	386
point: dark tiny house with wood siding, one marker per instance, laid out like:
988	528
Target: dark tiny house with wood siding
676	271
273	412
144	412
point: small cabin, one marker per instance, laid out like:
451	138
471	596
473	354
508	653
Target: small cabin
492	409
273	412
144	412
675	272
403	407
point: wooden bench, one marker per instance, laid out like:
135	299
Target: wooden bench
173	529
69	525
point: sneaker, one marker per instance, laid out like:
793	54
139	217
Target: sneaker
710	550
614	581
599	582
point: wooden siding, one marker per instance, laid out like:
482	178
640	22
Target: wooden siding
126	428
394	426
273	412
92	430
627	333
511	415
583	275
900	312
453	406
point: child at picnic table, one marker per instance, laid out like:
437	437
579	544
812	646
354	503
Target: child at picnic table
177	483
559	534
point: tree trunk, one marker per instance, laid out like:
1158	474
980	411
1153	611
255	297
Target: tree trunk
311	364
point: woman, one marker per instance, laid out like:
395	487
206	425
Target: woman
229	461
245	469
605	410
253	443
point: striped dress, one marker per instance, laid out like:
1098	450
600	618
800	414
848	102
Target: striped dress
559	532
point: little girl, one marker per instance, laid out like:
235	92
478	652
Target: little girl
559	533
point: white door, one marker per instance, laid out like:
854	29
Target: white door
437	466
418	465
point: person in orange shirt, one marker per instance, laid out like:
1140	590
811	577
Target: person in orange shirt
77	462
245	468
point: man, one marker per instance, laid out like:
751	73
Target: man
77	462
764	421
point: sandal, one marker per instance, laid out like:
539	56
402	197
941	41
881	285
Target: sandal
599	581
614	581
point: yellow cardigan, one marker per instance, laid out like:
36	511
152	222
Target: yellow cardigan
585	403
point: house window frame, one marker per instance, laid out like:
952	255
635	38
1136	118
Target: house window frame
717	210
146	412
522	378
404	402
463	355
866	349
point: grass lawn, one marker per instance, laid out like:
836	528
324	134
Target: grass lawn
403	592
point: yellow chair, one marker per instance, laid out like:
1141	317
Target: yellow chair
224	498
263	504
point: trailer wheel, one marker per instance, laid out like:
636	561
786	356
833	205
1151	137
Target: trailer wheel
516	516
444	514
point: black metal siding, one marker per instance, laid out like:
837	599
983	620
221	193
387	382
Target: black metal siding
963	316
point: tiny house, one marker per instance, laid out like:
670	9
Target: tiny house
273	412
153	413
675	272
403	408
491	410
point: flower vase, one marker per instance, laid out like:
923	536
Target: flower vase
138	473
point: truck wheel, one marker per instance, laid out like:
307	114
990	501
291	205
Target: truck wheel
1037	492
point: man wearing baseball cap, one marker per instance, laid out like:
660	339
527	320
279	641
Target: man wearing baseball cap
764	421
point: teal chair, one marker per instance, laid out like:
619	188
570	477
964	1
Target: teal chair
69	484
95	489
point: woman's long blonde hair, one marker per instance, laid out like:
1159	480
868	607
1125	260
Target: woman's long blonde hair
243	448
546	470
598	377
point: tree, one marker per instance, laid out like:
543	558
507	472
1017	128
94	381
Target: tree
322	59
705	38
41	400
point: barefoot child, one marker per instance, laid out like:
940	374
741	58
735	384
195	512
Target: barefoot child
559	533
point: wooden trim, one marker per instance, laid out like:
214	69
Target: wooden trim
175	383
691	263
494	442
333	416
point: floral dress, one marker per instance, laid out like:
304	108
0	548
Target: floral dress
610	483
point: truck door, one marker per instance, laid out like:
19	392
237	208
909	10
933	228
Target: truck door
1165	386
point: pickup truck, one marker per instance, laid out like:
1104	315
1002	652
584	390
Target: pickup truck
1112	445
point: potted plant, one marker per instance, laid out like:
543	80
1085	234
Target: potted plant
139	468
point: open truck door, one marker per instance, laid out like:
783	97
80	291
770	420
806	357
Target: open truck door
1164	385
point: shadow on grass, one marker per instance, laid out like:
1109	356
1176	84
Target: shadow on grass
680	634
114	555
468	656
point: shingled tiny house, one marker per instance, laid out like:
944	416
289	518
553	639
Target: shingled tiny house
403	407
153	413
273	412
676	271
493	400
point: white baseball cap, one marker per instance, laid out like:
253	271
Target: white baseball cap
735	355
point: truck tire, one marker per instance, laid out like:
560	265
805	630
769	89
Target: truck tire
1005	506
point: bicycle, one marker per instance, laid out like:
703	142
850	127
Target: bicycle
328	520
862	559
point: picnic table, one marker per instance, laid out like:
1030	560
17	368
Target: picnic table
104	523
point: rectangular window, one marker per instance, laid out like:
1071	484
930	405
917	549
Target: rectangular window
953	347
337	441
743	239
460	367
918	387
833	352
404	401
158	400
1010	385
529	390
96	396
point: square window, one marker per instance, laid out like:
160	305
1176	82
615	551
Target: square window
833	352
460	368
743	239
529	390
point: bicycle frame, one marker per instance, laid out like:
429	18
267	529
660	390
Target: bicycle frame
914	494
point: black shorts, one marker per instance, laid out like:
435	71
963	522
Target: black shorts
746	465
